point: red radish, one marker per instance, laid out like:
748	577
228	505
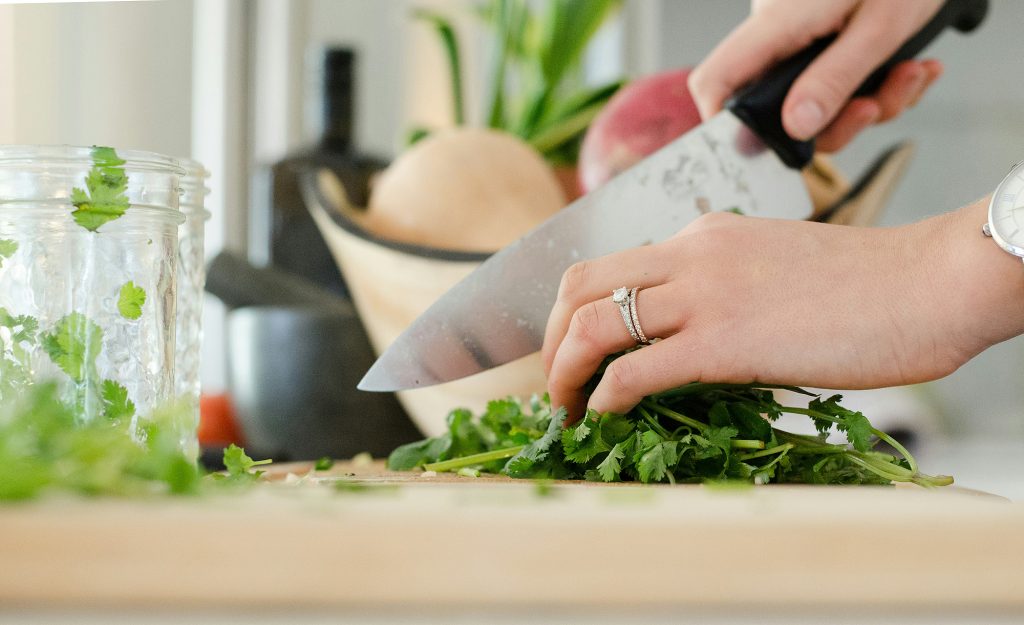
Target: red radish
641	118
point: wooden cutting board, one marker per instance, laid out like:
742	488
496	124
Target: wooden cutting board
402	540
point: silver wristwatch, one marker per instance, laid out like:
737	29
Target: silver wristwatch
1006	212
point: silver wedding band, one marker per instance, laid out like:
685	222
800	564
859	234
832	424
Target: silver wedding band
626	300
642	338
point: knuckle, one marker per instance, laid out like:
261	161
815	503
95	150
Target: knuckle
586	324
697	80
712	221
621	377
833	88
574	279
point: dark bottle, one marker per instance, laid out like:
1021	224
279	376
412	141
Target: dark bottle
295	243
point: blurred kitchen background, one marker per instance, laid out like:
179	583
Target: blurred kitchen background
238	84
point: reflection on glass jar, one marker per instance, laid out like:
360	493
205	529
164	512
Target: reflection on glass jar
191	280
88	268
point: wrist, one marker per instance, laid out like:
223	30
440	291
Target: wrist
987	290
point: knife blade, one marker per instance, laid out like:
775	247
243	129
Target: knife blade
740	159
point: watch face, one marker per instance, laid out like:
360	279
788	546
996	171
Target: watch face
1006	212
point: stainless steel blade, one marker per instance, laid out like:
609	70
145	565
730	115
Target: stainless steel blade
498	313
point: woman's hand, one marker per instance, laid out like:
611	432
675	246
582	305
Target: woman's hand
739	299
819	104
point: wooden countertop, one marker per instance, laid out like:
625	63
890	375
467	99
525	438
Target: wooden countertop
399	539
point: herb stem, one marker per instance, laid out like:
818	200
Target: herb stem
810	413
742	443
467	461
653	422
776	459
898	447
778	449
675	416
880	434
885	472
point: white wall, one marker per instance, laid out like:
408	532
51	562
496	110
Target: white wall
98	73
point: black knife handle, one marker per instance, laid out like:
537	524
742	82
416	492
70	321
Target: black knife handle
759	104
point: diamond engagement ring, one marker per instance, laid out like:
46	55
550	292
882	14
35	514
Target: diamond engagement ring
626	299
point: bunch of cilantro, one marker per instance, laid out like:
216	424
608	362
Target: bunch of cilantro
695	433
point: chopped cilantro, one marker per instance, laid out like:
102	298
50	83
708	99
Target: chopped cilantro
73	345
116	403
130	300
238	465
104	197
7	249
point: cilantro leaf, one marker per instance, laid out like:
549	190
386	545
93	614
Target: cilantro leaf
854	424
7	249
23	327
610	467
238	464
73	345
130	300
655	462
720	438
582	441
323	464
419	453
536	452
616	428
748	422
116	404
104	198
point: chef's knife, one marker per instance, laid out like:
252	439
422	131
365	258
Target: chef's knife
740	160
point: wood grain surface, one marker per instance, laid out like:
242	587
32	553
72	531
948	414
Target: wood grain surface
403	540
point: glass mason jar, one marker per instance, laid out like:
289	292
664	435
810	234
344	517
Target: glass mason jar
88	270
191	281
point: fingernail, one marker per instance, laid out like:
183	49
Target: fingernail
807	119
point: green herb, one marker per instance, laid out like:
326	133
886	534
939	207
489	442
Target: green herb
130	300
735	209
354	486
446	32
323	464
115	401
534	79
7	249
73	345
104	197
45	445
696	433
15	365
239	465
